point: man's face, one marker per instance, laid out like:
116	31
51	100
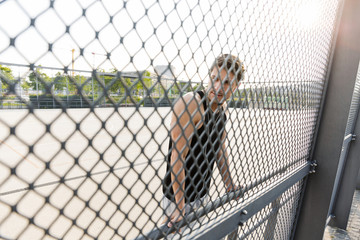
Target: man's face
221	86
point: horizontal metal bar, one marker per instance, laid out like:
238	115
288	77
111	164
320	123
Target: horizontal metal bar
165	230
42	67
159	232
268	176
91	71
254	206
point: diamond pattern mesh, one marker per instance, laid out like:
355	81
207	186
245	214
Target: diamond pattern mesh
275	220
88	105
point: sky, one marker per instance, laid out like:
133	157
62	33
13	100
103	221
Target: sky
275	39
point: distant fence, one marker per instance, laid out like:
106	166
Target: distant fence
267	96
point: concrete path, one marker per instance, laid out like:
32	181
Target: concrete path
353	229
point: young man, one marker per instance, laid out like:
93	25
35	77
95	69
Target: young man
197	141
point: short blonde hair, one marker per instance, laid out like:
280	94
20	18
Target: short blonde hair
231	64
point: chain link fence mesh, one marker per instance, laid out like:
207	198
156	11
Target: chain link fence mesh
87	94
275	220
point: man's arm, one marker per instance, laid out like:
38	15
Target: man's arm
186	115
223	165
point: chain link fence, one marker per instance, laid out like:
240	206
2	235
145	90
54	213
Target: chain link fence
93	92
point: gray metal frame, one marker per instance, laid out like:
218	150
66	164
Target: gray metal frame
245	211
332	126
248	210
349	165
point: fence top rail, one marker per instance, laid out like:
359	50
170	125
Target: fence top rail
164	230
282	184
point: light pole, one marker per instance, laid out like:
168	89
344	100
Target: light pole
92	79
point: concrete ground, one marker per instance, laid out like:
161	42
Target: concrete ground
353	229
125	140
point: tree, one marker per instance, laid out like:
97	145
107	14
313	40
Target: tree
9	78
118	84
61	82
81	82
38	80
25	85
8	75
183	87
142	85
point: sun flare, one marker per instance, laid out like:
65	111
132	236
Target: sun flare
308	15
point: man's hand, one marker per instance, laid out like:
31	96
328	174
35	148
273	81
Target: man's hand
177	216
234	188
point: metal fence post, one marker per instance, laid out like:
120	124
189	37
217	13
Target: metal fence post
343	195
313	215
